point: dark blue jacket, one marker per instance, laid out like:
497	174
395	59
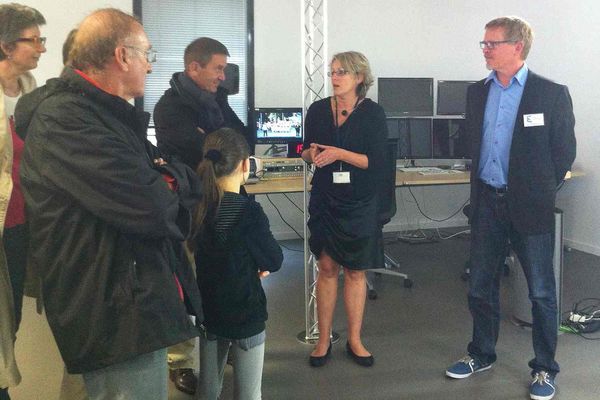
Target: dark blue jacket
539	157
227	267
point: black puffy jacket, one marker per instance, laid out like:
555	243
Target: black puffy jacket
106	230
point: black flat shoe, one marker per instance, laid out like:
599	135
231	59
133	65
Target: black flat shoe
319	361
362	361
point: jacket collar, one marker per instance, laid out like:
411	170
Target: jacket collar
121	109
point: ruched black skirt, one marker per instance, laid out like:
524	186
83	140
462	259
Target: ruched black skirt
347	230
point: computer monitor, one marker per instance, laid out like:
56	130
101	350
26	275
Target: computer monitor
406	97
414	138
452	97
449	138
278	125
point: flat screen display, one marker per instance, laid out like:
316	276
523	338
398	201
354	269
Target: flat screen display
449	139
452	97
278	125
406	97
414	138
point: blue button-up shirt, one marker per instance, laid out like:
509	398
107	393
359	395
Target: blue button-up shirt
498	126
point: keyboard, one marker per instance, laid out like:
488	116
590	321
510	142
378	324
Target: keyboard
440	171
431	170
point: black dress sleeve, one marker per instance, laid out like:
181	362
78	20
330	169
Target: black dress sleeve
376	145
314	116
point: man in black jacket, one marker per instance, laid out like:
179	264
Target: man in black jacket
196	104
521	127
107	215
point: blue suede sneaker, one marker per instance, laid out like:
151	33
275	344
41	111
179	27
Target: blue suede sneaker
542	387
465	367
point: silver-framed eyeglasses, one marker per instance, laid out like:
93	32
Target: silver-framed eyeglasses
492	44
36	40
339	72
150	54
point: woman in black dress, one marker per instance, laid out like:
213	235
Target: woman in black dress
345	139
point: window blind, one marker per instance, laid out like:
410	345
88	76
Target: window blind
172	24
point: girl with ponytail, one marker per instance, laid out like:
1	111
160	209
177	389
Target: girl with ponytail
234	248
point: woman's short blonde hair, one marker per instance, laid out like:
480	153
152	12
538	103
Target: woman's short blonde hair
356	63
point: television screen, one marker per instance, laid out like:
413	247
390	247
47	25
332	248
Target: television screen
452	97
278	125
414	138
406	97
449	139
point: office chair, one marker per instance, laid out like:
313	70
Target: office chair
387	209
232	79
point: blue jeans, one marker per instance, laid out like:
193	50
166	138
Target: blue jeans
247	367
141	378
490	233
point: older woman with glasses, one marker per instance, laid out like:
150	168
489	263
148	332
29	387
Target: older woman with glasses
345	139
20	49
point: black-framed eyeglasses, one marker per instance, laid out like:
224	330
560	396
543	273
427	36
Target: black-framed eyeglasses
37	40
492	44
339	72
150	54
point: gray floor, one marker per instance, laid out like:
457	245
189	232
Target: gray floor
413	333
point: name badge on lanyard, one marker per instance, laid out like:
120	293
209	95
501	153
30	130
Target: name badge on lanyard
341	177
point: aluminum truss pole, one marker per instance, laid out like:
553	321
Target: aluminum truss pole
314	51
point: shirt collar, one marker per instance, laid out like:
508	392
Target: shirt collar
520	76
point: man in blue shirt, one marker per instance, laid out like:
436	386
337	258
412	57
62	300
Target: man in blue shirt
521	128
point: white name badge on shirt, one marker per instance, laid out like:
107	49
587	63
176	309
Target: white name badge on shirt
533	120
341	177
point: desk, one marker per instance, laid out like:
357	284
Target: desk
292	185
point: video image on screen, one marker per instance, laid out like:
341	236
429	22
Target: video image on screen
449	139
278	125
452	97
405	97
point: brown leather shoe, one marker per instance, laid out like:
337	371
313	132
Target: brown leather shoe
184	380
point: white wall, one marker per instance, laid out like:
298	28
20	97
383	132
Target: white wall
62	16
436	38
439	39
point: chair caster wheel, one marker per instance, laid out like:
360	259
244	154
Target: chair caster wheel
408	283
372	294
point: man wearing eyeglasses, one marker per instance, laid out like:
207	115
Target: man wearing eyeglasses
521	127
108	216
